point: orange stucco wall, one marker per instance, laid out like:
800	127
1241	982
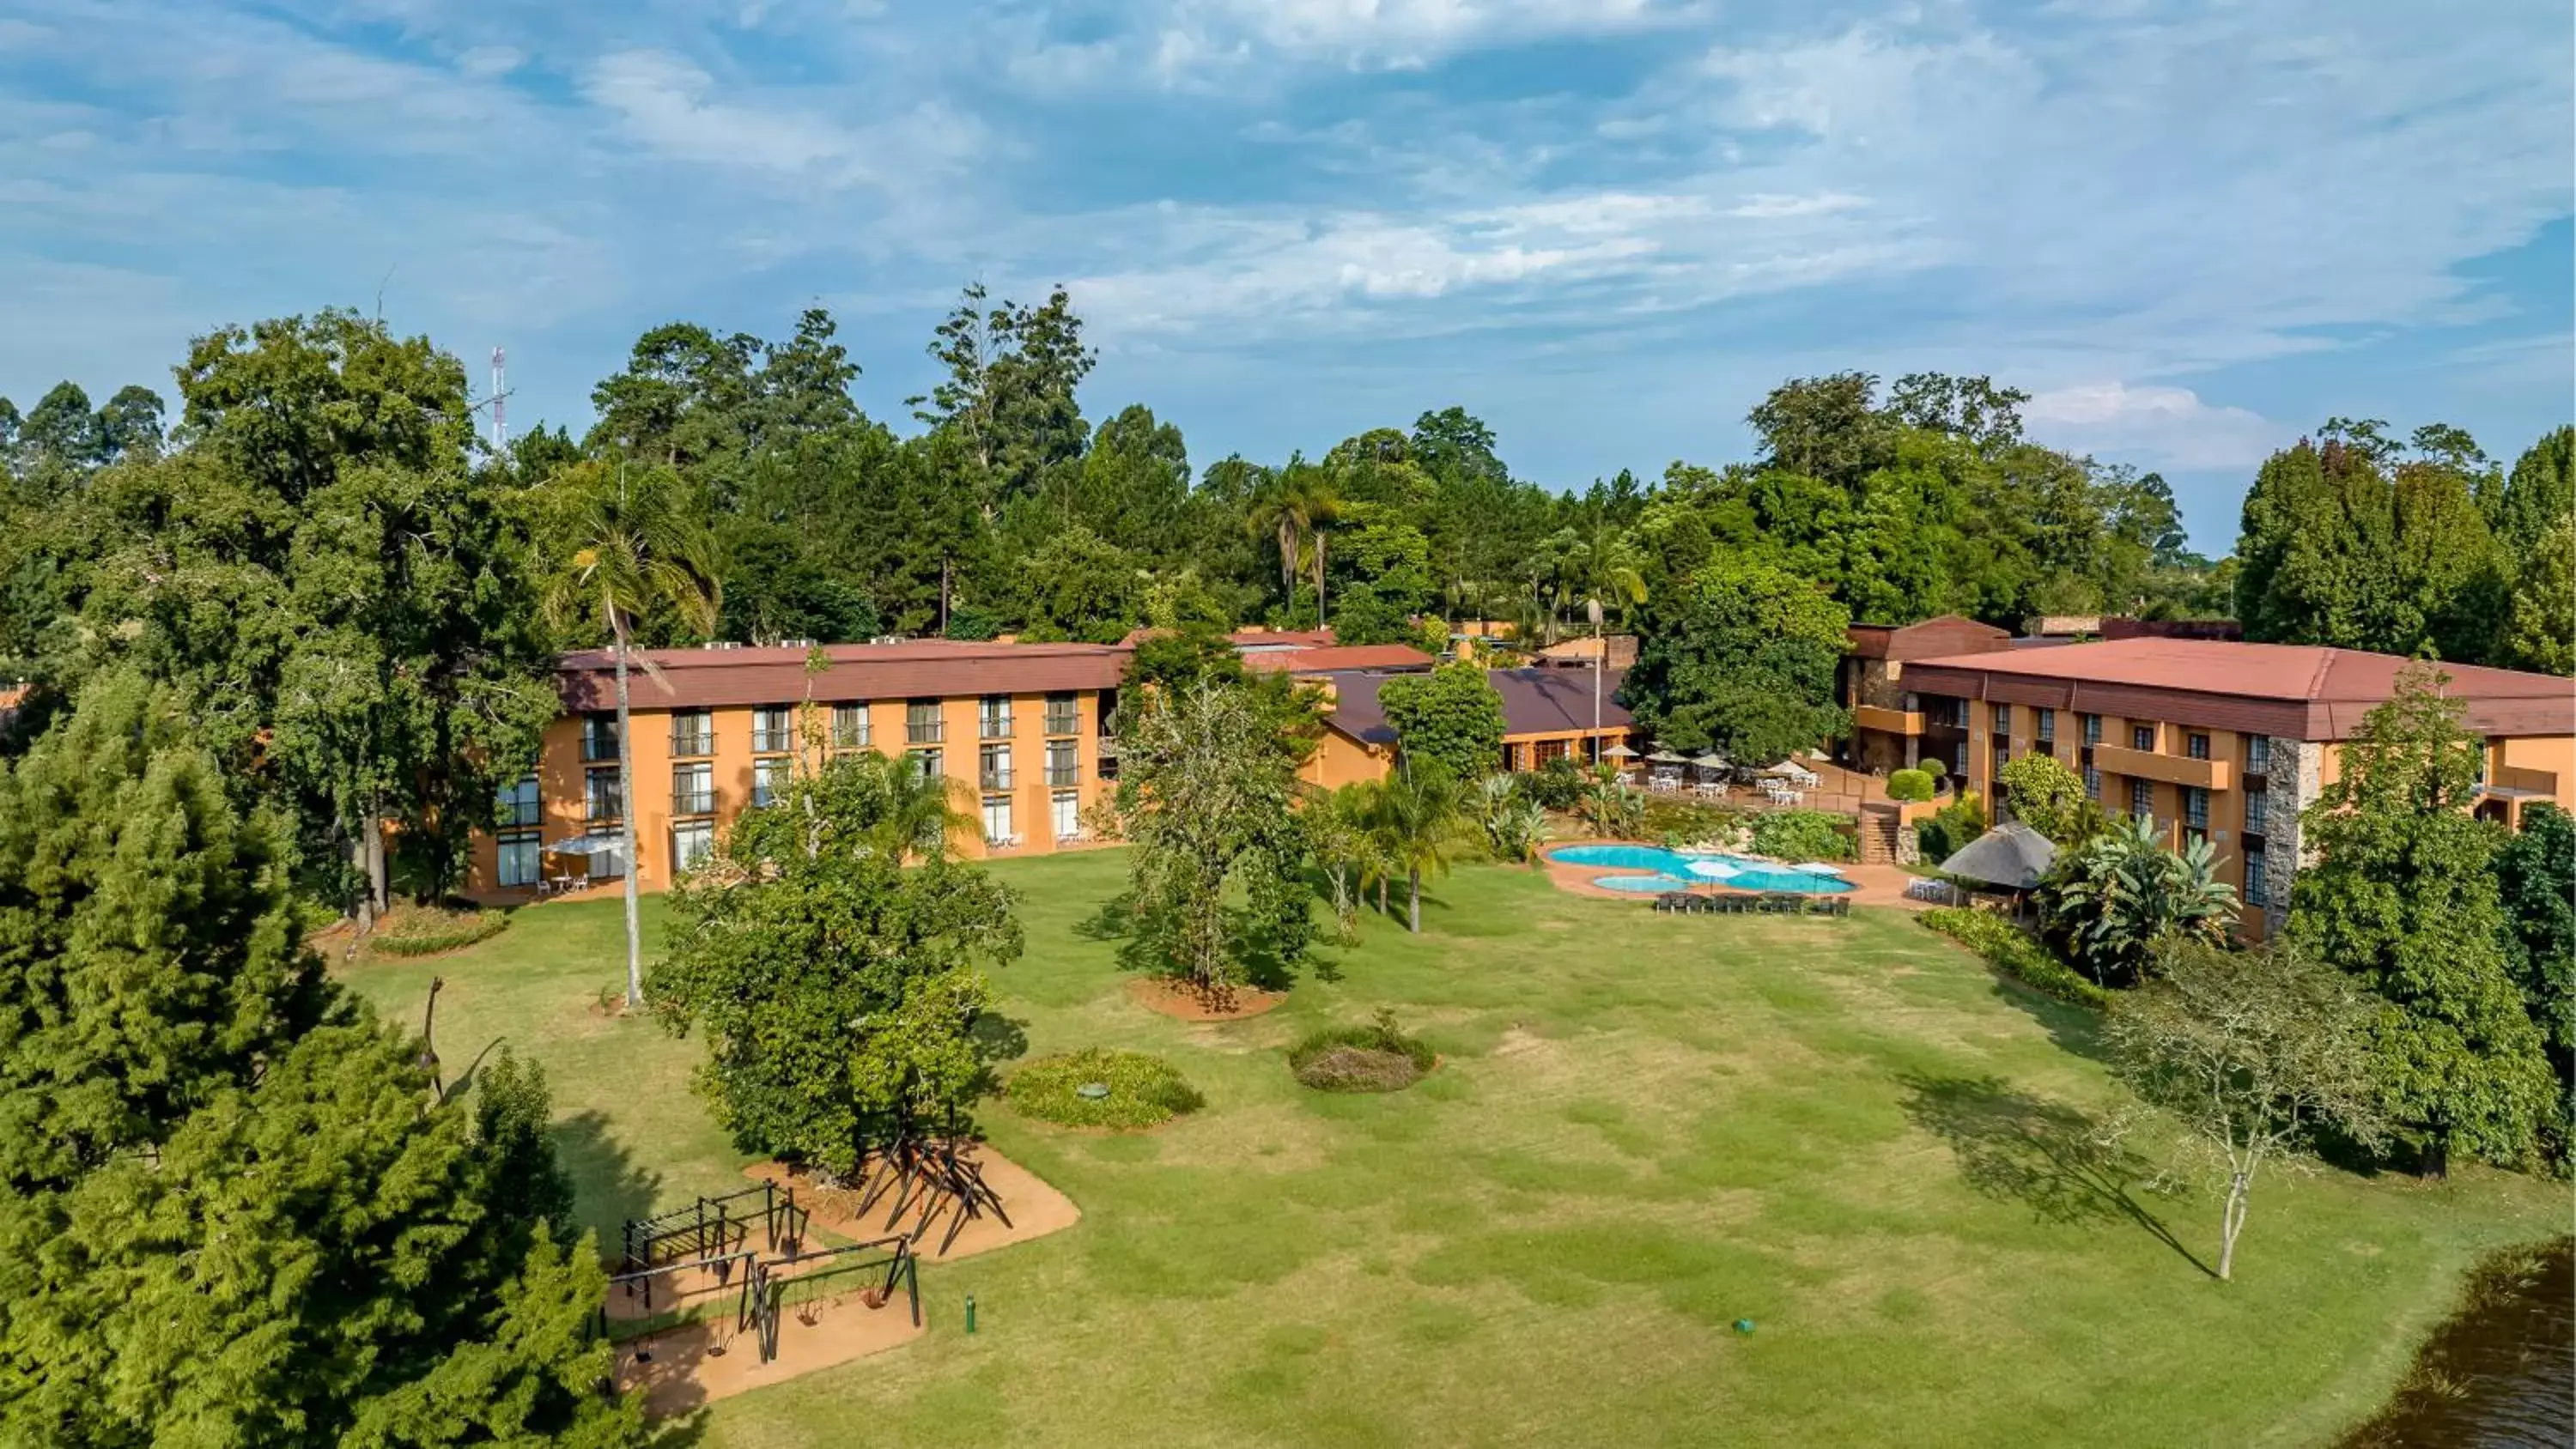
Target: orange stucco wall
561	775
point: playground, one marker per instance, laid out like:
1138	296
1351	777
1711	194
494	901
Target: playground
1646	1129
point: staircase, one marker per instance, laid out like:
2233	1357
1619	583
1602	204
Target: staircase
1878	829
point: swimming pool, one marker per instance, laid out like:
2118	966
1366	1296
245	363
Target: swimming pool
1672	870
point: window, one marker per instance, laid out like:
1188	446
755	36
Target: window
993	717
605	801
1959	763
993	767
2142	800
1064	762
1067	809
849	726
921	722
1063	717
773	729
926	761
2092	783
1555	750
2196	746
2195	809
693	788
693	732
606	865
598	738
2003	719
2258	754
2258	805
2091	724
691	840
2142	738
517	858
520	803
2047	726
997	820
2257	891
769	780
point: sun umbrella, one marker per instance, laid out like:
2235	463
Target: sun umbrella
1713	869
1711	761
1667	757
1618	752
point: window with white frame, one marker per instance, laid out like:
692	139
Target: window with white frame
773	729
926	762
1063	762
993	717
849	726
1067	806
997	819
993	767
691	840
693	788
769	780
605	801
517	858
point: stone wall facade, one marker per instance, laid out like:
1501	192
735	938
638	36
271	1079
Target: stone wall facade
2293	784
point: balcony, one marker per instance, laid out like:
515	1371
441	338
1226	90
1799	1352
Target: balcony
1887	721
2523	780
700	742
924	732
2169	769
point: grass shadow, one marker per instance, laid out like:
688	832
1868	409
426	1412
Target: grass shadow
2059	1162
609	1185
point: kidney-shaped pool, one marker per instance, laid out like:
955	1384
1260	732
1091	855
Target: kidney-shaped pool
1680	870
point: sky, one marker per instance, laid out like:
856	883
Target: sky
2192	231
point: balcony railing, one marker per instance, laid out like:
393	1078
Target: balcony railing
777	740
994	726
598	749
850	739
1063	722
1060	775
924	731
996	779
604	812
694	742
1887	721
2171	769
693	802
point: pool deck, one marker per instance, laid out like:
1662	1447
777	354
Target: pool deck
1872	885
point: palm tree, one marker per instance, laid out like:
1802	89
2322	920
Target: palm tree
1293	507
632	550
1419	811
1338	832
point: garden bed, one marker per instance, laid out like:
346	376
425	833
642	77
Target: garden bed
1174	999
411	931
1372	1058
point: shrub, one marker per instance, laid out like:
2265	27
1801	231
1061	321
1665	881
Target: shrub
1557	785
1910	785
1373	1058
428	930
1801	835
1957	823
1144	1091
1689	822
2012	951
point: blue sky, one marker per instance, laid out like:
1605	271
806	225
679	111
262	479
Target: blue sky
2193	230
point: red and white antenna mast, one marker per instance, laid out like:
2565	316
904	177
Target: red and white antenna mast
500	406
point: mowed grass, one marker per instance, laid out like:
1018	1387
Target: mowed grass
1643	1129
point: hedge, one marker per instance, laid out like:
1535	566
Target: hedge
2010	950
429	930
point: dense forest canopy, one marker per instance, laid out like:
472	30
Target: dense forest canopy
322	553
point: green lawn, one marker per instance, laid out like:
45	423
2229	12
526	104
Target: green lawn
1645	1128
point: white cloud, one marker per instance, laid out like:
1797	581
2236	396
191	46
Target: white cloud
1398	34
2169	426
1766	205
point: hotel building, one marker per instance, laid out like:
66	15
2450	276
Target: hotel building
1019	727
2212	740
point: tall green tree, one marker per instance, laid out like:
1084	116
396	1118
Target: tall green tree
2045	795
1207	793
2403	895
2536	886
232	1209
1451	717
632	548
1418	816
1741	661
833	958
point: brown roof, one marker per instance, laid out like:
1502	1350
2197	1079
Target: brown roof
1948	634
916	669
2297	691
1535	702
1340	656
1281	638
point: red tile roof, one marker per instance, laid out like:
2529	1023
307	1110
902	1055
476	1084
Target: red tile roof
1535	702
1340	656
2326	691
1281	638
915	669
